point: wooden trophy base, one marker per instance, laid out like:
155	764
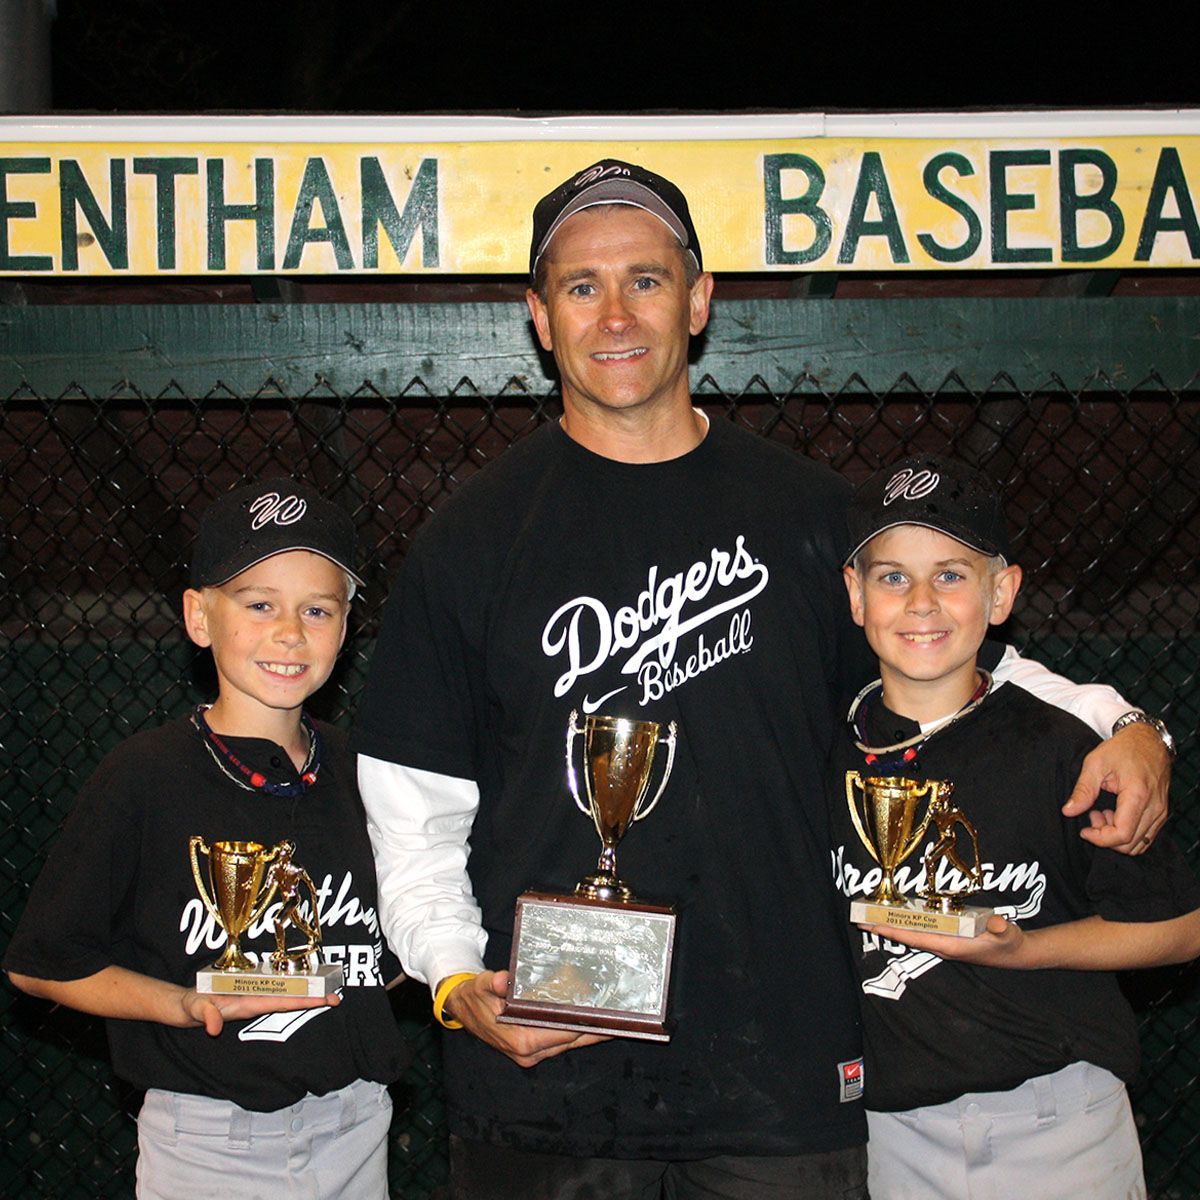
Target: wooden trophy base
965	922
592	966
264	980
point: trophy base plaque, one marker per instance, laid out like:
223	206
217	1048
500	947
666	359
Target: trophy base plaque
592	966
961	922
264	980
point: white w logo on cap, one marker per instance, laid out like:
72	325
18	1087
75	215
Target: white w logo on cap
283	511
592	174
910	485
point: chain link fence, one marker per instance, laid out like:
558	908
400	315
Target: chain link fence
98	502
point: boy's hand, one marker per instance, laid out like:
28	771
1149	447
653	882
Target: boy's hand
478	1001
1135	765
213	1011
1001	945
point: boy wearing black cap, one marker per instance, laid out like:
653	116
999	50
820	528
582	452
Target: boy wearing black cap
115	925
982	1081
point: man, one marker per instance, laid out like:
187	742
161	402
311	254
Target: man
636	560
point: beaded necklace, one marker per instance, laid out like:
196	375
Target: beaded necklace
246	777
900	754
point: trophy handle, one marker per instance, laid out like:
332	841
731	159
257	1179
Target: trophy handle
266	896
935	788
852	778
195	844
646	809
572	780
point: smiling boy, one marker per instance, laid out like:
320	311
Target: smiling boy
245	1096
275	630
981	1081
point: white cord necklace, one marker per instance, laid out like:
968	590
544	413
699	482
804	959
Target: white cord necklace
907	749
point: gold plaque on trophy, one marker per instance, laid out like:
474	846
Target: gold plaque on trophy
243	878
599	961
884	812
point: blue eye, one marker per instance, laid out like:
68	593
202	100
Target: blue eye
893	577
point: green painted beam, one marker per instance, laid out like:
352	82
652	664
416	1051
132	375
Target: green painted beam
297	349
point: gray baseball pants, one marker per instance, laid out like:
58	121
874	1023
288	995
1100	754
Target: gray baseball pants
331	1147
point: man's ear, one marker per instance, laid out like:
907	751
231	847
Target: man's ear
854	591
195	618
1005	584
699	301
541	318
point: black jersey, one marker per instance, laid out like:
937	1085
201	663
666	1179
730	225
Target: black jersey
703	590
118	890
934	1028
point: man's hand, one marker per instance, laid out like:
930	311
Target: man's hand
213	1011
1003	944
1135	765
478	1001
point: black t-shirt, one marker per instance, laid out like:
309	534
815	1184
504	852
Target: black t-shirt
935	1029
118	889
703	590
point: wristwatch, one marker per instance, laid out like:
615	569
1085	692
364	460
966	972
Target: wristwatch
1137	717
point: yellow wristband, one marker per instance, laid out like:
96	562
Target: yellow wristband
443	994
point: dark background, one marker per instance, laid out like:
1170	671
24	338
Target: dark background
106	473
615	56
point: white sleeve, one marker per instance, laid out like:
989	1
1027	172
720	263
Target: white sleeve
419	824
1094	703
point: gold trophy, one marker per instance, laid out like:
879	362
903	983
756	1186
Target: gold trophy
618	755
599	961
236	879
886	821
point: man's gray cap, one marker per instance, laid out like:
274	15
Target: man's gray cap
611	181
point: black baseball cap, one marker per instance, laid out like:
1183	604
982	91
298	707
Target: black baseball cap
613	182
252	523
939	493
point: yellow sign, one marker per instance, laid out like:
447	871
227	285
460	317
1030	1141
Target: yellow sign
795	204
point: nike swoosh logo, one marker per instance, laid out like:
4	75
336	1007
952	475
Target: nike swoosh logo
590	706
